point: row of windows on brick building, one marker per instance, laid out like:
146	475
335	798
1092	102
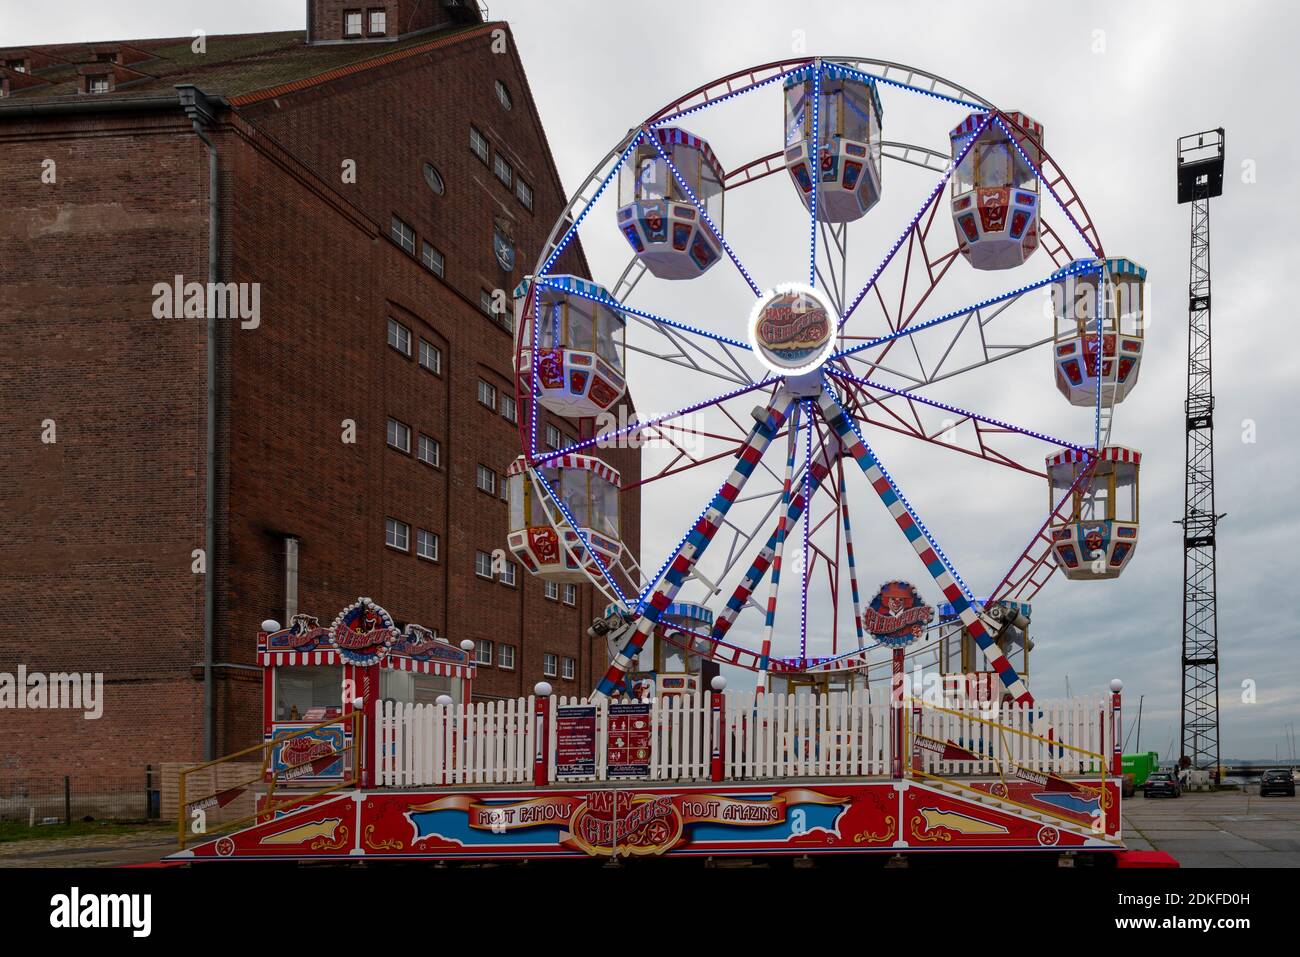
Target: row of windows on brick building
404	235
397	535
400	338
553	665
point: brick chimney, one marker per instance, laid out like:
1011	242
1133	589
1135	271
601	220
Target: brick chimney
374	21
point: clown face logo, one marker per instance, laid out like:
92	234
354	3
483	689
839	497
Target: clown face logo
896	616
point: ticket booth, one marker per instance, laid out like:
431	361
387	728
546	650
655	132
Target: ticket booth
313	673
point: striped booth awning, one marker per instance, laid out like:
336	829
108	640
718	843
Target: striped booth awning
419	666
303	658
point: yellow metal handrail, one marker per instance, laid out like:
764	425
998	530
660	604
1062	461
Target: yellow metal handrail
267	748
1103	796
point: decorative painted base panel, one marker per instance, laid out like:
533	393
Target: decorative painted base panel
787	817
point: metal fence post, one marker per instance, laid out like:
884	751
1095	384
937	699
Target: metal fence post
67	800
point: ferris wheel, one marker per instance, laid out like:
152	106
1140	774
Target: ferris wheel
766	404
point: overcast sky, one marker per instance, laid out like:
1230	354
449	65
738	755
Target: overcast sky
1114	85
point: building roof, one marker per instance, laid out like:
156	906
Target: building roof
233	66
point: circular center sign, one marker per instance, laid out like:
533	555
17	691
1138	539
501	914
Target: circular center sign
792	329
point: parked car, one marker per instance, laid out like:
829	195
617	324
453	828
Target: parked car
1162	782
1277	780
1128	787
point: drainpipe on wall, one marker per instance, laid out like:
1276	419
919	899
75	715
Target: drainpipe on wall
201	111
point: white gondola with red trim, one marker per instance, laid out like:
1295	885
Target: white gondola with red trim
1077	364
552	541
1098	530
995	191
657	214
579	341
847	151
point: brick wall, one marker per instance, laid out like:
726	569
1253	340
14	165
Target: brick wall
96	530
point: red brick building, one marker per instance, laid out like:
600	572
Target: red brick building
361	176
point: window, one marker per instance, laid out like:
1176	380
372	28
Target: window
403	235
570	594
483	566
482	652
503	95
397	534
478	144
525	194
97	84
485	302
434	179
552	591
352	23
508	573
548	665
406	688
505	656
553	437
399	436
430	357
428	451
503	170
299	690
432	259
378	22
399	337
509	411
568	669
487	394
486	480
426	544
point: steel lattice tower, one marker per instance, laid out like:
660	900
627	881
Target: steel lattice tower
1200	177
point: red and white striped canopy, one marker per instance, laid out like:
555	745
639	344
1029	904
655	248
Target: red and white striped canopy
588	462
1111	453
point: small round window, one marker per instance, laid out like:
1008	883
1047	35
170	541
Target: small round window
434	179
503	95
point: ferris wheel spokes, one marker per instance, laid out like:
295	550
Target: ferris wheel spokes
934	194
674	572
1093	242
700	209
637	427
555	248
769	624
965	414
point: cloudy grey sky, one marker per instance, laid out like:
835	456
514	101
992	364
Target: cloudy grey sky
1114	85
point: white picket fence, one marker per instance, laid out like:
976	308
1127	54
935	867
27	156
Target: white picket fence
765	737
491	742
